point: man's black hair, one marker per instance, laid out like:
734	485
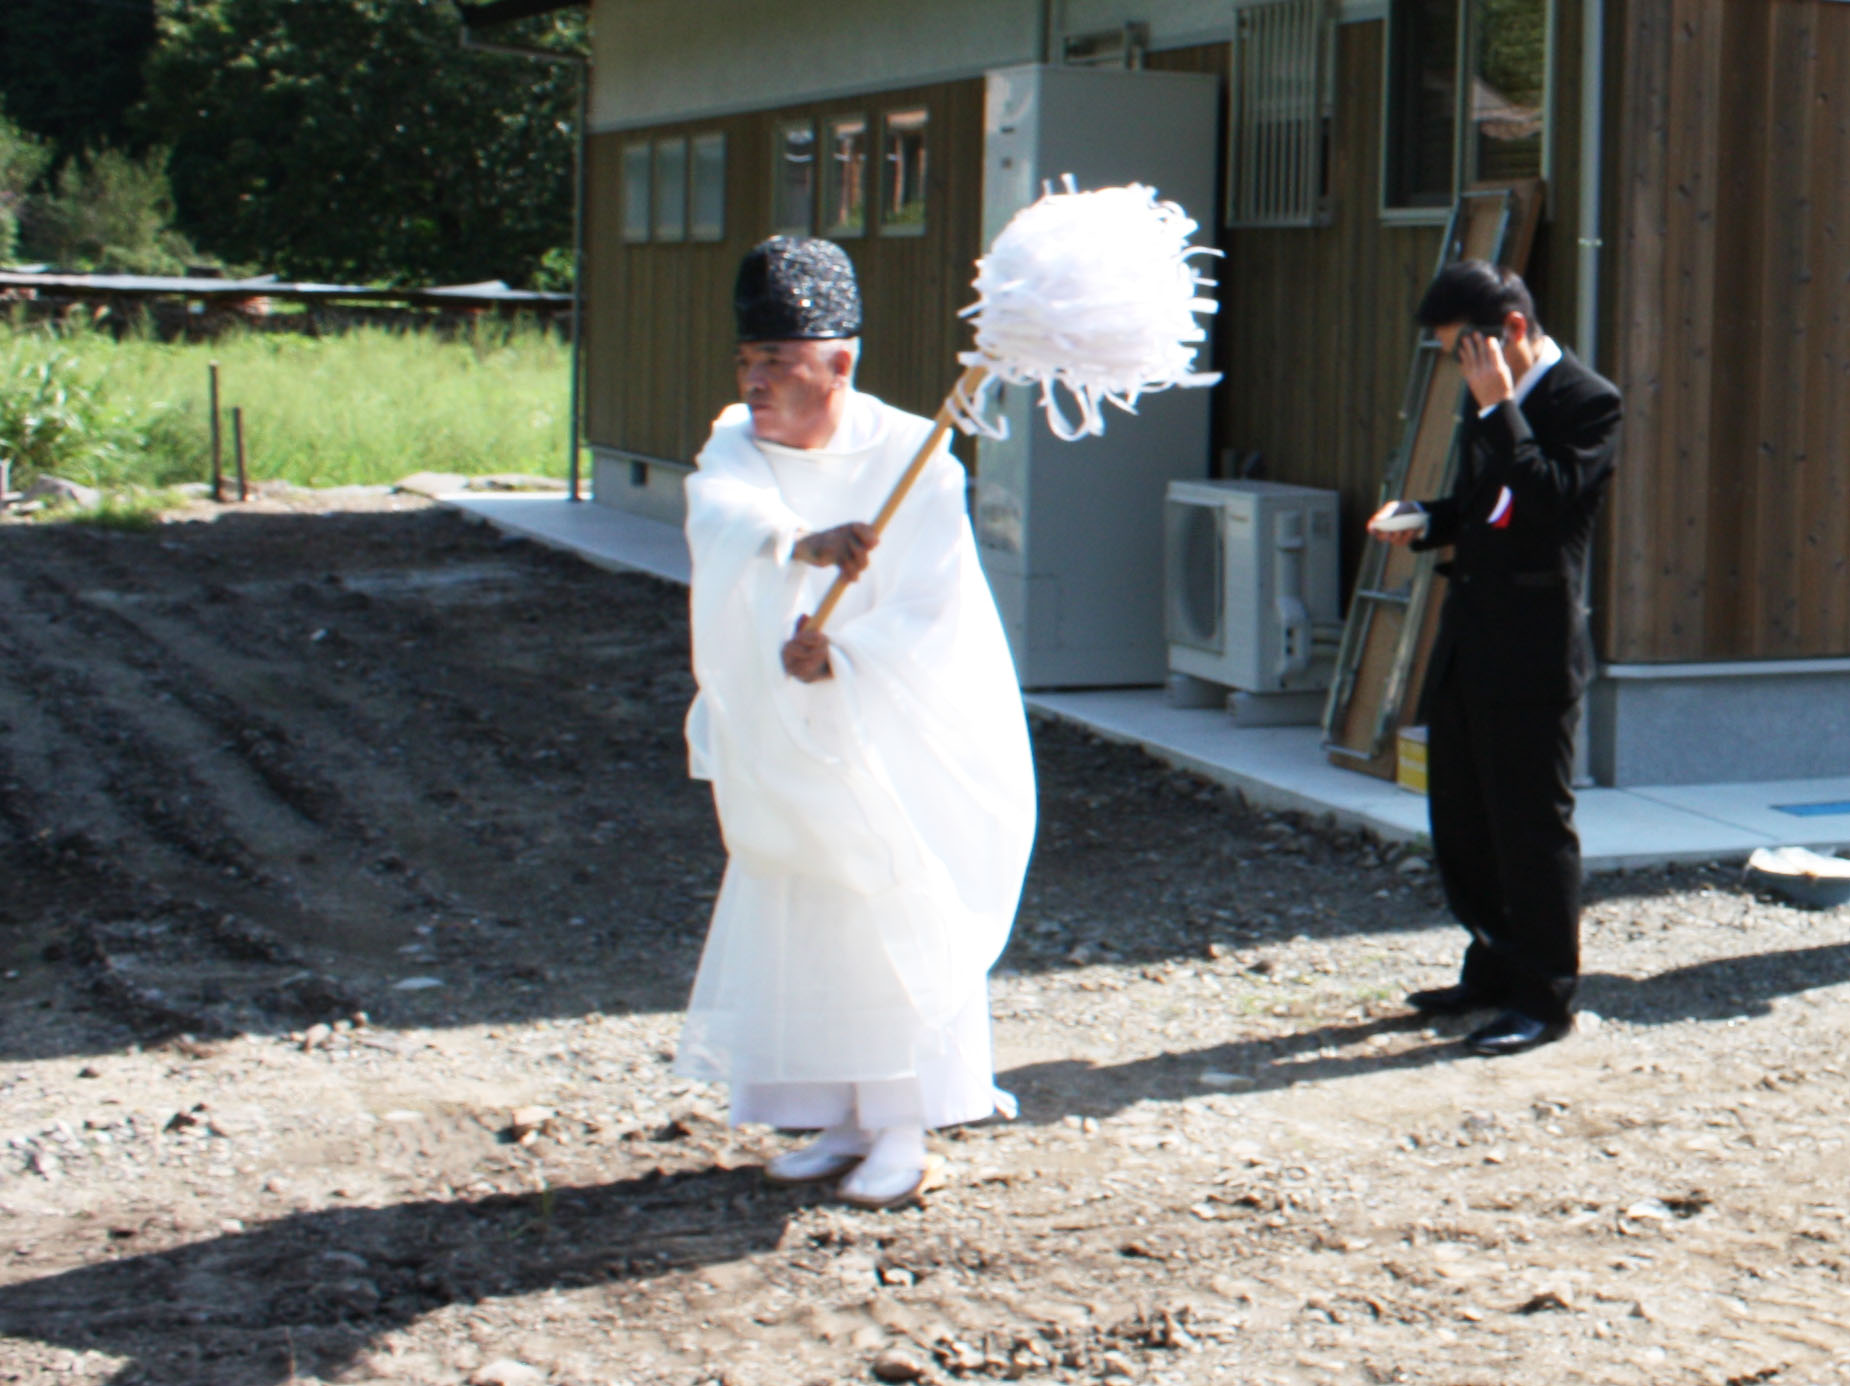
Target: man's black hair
1477	293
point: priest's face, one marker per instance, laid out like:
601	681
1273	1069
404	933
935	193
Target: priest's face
795	390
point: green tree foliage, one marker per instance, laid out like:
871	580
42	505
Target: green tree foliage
22	159
57	419
70	70
357	139
1515	48
110	213
556	270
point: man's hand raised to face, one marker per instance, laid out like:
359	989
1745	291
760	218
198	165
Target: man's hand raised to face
1485	368
845	547
806	654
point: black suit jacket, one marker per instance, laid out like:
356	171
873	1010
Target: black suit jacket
1514	624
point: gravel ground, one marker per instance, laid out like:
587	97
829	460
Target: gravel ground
351	887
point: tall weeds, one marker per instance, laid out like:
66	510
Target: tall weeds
367	406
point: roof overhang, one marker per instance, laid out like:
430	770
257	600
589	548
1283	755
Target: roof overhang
482	16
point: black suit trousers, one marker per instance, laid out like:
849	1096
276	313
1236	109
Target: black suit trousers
1500	792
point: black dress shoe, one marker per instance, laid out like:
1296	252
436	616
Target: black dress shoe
1512	1032
1453	1000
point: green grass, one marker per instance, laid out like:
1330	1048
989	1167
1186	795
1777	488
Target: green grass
364	407
131	510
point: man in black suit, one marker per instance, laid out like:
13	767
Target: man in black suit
1512	655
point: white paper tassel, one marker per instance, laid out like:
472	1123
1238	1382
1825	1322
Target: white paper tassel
1092	292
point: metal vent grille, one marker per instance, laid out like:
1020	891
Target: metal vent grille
1278	123
1197	577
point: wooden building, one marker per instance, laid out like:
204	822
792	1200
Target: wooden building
1694	245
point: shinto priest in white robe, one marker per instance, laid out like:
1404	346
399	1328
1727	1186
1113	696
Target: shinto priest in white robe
877	822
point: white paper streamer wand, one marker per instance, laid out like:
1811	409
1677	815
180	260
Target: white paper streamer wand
1088	292
963	396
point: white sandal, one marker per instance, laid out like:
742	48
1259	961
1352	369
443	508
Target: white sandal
932	1176
896	1171
836	1151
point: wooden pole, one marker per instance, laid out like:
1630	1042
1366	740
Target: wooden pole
941	425
218	471
237	448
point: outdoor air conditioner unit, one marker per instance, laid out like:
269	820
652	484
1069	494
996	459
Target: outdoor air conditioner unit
1252	593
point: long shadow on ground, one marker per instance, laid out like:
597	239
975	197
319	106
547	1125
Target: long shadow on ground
1719	989
309	1293
1052	1090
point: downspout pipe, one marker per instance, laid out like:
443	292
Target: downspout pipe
583	64
1592	177
1588	243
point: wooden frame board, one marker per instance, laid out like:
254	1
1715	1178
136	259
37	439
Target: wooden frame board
1394	611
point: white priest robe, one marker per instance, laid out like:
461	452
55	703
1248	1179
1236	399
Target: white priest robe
877	822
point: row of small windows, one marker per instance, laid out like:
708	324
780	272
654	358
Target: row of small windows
1467	103
890	195
675	189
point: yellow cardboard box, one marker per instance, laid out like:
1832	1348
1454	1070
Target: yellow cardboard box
1410	759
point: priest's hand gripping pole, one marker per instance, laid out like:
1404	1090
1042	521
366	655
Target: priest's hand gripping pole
967	385
1090	292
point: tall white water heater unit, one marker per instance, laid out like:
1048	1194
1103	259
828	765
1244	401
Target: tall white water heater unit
1071	534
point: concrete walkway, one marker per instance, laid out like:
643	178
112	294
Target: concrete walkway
600	535
1282	767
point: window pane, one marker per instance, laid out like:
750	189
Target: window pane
794	179
844	178
671	190
1509	83
1279	114
636	160
1422	102
707	188
902	191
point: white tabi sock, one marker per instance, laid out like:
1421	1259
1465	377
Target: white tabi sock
830	1153
894	1165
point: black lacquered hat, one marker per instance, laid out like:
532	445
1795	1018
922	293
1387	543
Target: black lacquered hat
792	288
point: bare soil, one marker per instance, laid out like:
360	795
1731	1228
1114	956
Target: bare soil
336	831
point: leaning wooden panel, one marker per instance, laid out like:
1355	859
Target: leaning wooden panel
1354	736
1393	614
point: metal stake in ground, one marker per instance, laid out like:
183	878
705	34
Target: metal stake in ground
1091	293
237	447
218	477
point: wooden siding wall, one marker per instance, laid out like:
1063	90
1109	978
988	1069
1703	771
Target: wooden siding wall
660	337
1315	331
1730	288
